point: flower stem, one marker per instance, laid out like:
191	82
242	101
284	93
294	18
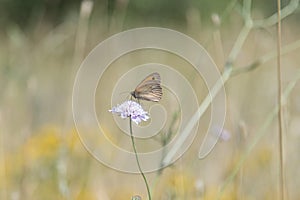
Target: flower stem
137	160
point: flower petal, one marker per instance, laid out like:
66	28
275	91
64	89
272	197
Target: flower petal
131	109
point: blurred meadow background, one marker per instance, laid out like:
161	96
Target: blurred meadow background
43	43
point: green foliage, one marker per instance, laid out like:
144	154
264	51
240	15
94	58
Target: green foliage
23	13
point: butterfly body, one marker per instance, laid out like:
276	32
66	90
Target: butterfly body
149	89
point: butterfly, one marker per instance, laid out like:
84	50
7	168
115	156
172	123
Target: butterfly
149	89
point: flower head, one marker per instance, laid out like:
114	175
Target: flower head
221	133
131	109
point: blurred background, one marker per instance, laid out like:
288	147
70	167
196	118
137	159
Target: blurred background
43	43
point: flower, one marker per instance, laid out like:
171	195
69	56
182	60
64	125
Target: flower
225	135
131	109
221	133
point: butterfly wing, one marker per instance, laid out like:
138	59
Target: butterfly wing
149	89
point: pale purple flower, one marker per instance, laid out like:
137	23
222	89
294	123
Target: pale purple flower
223	134
131	109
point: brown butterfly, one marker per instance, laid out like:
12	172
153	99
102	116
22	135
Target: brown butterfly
149	89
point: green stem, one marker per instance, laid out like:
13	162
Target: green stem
137	159
280	112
